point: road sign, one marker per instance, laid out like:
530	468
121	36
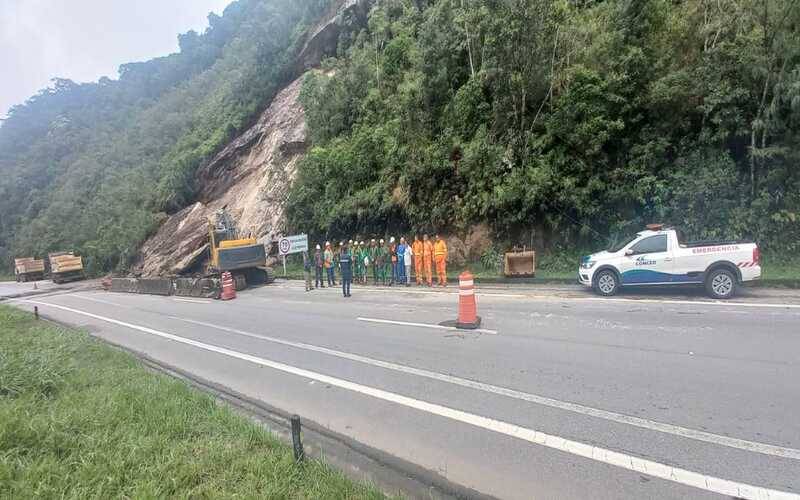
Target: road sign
293	244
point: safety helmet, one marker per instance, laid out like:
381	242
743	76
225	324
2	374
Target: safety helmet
327	243
318	246
391	240
341	243
362	243
381	240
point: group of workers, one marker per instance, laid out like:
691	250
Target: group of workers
389	263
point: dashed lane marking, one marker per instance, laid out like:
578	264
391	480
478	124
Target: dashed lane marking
425	325
595	453
193	301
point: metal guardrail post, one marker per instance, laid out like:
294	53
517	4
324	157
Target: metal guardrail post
297	444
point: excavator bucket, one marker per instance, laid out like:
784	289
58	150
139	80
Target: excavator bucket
520	264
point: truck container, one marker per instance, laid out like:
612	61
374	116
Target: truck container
64	267
28	269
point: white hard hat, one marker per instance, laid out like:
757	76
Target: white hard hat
341	243
317	246
351	241
327	243
391	240
381	240
373	240
362	243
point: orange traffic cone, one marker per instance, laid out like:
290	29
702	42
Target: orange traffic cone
468	318
228	287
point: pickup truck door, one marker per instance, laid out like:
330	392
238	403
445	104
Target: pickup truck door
648	261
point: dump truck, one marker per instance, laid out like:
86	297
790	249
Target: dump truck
65	266
243	257
28	269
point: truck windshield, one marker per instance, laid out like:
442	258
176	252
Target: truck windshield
616	247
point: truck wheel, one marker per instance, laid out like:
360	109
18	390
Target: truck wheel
606	283
721	284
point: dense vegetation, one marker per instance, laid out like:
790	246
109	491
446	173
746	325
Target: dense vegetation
568	119
562	121
93	167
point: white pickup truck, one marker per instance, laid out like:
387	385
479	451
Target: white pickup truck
661	256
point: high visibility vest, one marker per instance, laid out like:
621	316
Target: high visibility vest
440	248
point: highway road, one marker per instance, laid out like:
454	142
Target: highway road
563	395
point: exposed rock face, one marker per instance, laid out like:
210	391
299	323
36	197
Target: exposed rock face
250	178
323	39
470	246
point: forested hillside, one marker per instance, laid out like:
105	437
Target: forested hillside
94	167
570	118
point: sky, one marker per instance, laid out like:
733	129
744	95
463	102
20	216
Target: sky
85	39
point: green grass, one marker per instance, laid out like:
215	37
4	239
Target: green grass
79	419
780	268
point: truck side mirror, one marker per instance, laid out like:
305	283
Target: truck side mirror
629	252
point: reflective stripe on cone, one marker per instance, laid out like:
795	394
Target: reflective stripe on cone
228	287
467	308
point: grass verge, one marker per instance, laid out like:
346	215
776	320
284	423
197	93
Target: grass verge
79	419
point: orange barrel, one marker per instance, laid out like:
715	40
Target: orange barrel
228	287
467	308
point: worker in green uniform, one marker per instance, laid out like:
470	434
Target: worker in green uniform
372	253
380	263
363	258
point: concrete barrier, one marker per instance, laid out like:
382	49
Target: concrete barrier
208	288
157	286
124	285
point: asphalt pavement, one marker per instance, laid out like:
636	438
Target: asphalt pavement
561	395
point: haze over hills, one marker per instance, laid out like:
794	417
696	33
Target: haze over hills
544	120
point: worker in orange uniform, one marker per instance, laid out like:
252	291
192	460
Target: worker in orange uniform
427	259
417	250
440	257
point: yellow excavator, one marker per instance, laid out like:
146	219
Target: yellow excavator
243	257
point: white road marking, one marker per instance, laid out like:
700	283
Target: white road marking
596	453
533	294
193	301
99	301
708	437
695	302
653	425
425	325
